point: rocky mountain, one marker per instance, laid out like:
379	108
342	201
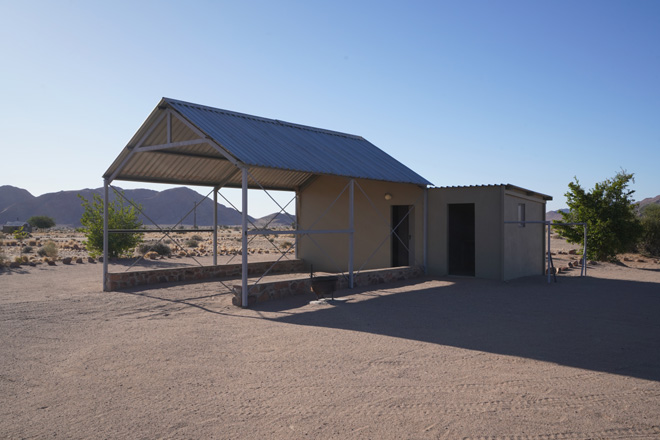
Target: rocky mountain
556	215
276	220
163	207
649	200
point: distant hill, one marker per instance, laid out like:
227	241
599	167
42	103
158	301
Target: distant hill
555	215
163	207
276	220
649	201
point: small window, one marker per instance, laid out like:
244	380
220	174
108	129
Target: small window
521	214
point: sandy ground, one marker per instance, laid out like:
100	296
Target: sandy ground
453	358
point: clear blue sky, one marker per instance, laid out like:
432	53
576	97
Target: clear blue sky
531	93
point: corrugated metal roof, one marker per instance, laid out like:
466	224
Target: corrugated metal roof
506	186
279	154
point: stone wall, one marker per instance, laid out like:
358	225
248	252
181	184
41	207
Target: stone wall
265	291
123	280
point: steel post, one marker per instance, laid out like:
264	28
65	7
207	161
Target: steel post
215	226
244	269
106	183
351	234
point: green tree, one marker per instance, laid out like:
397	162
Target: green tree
41	221
650	241
609	212
120	216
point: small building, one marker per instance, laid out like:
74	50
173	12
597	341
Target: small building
11	227
486	231
357	208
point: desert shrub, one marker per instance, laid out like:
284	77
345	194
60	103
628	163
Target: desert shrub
48	250
650	241
3	260
286	244
27	249
192	243
120	216
159	247
41	221
197	237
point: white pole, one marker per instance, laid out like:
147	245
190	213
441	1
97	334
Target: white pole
106	183
351	235
215	226
549	256
244	269
297	221
584	253
426	230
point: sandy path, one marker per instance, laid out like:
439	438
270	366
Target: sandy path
437	358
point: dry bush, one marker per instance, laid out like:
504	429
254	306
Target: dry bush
48	250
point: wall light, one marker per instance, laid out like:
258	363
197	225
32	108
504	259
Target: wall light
388	196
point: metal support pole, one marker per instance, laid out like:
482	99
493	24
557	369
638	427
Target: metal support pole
351	235
584	253
244	269
549	256
426	230
106	183
297	223
215	226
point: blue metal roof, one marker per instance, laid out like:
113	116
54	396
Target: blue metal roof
274	144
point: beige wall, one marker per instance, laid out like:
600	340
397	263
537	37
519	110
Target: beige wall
488	228
524	247
372	222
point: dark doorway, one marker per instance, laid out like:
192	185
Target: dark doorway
401	241
460	230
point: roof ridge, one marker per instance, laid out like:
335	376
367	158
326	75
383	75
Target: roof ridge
262	119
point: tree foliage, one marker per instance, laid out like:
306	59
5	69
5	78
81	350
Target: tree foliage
609	212
41	221
120	216
650	241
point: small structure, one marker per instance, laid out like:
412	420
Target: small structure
11	227
471	234
357	208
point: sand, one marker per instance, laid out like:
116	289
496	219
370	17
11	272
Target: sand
454	358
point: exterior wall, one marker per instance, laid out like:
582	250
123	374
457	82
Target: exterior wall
371	220
524	247
502	251
488	228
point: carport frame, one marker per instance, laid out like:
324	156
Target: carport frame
168	114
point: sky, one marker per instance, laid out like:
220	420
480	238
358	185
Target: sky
531	93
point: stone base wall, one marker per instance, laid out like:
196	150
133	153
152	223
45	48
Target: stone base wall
266	291
123	280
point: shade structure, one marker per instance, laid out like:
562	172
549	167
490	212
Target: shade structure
190	144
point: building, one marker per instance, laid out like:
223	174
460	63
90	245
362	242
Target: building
357	207
11	227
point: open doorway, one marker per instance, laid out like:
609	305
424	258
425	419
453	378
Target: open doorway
460	241
401	215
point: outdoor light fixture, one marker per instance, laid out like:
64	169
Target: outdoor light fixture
388	196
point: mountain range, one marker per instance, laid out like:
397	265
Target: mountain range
163	207
556	215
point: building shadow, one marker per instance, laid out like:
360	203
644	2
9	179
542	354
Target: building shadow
596	324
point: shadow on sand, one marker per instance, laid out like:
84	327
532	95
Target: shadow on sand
604	325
